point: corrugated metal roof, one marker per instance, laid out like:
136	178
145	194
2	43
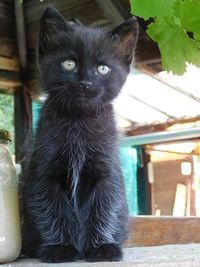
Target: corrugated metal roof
146	99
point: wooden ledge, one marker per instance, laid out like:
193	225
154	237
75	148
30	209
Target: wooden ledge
162	256
155	231
145	234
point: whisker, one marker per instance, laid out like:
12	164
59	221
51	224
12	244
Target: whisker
51	101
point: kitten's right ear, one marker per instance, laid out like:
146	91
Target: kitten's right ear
51	24
124	38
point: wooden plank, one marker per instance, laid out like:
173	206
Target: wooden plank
9	80
147	51
157	127
180	200
10	75
111	11
9	64
163	256
7	28
155	231
87	14
8	47
126	4
34	8
9	84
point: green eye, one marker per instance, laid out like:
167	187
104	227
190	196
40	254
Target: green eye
68	64
103	69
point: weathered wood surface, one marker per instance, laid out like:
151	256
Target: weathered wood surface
155	231
161	256
7	28
9	64
7	47
111	11
34	8
6	84
88	12
7	17
9	80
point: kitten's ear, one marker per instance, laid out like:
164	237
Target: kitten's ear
124	38
51	24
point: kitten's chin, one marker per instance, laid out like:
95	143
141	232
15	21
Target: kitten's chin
86	101
83	100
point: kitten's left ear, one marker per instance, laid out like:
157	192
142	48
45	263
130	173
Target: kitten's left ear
124	37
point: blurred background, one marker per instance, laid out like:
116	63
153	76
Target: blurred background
157	113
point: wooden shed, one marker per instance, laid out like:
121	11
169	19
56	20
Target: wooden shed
14	27
19	22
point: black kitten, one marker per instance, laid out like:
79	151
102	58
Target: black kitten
73	194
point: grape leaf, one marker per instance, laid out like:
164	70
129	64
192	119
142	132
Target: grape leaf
176	30
197	36
175	45
153	8
189	14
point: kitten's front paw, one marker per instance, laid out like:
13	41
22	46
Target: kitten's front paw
58	253
107	252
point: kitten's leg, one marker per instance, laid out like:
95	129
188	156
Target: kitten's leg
49	210
107	252
58	253
108	227
109	216
30	237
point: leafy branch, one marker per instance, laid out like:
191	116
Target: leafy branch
176	29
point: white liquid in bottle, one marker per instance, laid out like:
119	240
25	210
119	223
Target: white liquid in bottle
10	236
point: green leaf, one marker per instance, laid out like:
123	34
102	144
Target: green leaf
175	45
197	36
188	12
153	8
176	30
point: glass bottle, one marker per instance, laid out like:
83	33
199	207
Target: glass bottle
10	236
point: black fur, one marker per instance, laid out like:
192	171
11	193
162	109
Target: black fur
73	198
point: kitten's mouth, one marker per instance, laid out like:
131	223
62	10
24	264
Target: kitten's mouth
87	96
83	94
83	97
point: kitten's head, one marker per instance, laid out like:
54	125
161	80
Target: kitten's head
86	67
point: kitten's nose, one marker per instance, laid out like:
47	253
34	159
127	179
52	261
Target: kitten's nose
85	84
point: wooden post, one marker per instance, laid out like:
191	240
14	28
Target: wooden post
22	102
